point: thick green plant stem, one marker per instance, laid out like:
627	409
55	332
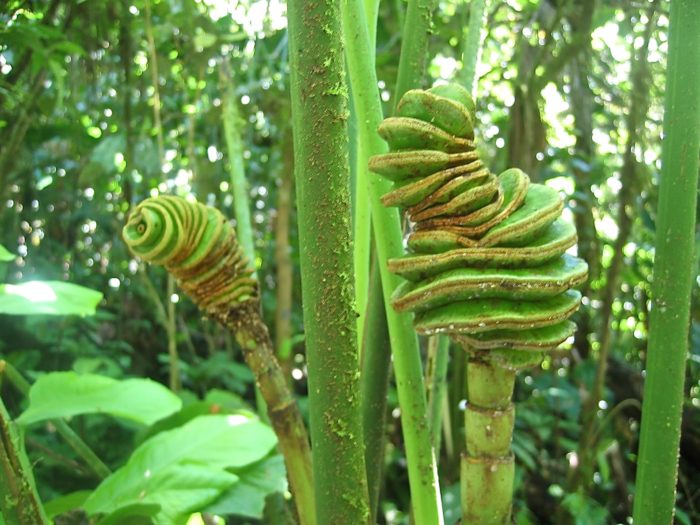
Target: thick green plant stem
319	117
422	471
19	501
64	430
251	333
487	464
414	48
673	271
472	44
374	381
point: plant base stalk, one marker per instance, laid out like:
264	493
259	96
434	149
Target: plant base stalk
488	467
245	323
19	501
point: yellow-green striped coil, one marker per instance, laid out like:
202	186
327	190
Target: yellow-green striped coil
197	245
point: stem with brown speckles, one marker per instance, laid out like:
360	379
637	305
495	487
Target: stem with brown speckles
319	118
247	326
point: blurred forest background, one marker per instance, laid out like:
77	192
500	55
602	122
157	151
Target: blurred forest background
104	103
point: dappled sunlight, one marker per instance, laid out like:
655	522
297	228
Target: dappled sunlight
33	291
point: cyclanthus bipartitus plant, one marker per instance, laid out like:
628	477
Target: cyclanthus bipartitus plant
198	246
488	267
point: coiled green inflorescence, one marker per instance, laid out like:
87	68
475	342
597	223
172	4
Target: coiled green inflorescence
197	245
488	265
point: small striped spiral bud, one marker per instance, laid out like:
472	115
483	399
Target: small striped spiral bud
488	264
197	245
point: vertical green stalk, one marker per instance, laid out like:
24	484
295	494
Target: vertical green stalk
436	373
425	498
472	44
239	185
234	147
374	382
319	117
673	271
19	501
361	242
488	466
362	216
170	329
414	47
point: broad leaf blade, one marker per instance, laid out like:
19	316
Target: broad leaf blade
247	497
65	503
48	297
136	514
176	490
65	394
5	255
211	442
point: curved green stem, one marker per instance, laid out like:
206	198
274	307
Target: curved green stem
422	470
239	185
673	271
319	115
247	326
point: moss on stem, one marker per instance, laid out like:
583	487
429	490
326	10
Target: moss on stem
319	116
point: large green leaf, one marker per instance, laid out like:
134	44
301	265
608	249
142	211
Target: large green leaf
48	297
65	503
65	394
5	255
135	514
177	489
247	497
212	443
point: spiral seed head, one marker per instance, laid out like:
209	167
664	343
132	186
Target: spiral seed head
488	264
197	245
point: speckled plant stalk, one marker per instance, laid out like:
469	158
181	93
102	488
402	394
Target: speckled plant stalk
319	117
19	501
198	247
673	271
488	268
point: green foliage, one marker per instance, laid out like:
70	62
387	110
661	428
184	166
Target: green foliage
5	256
247	497
48	297
67	394
79	148
184	469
